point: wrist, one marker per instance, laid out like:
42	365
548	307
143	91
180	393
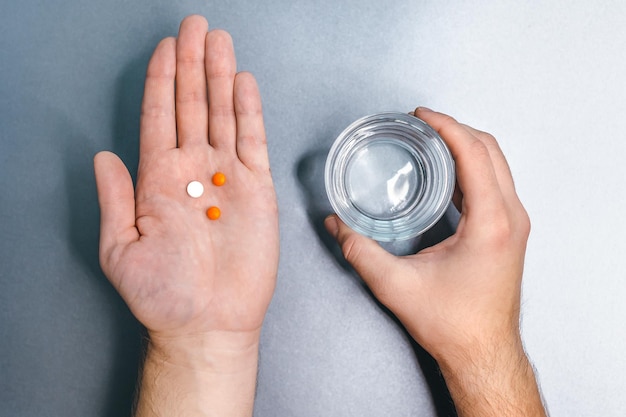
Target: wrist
215	351
199	375
493	380
489	365
481	352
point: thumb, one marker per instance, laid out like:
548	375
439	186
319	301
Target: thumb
117	206
373	263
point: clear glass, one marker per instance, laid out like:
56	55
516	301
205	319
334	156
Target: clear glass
389	176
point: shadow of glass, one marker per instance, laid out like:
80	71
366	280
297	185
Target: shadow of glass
310	172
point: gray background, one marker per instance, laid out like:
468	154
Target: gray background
546	78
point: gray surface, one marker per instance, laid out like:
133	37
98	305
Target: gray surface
546	78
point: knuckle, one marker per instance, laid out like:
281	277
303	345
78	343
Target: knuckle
505	230
478	149
447	120
447	126
252	139
194	96
221	110
501	233
155	112
490	142
497	233
488	138
249	110
160	74
220	72
190	58
351	249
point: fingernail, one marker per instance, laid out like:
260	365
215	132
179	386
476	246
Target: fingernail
331	225
424	109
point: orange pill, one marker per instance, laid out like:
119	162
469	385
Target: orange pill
219	179
213	213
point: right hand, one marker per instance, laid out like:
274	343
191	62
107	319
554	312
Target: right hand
186	277
461	296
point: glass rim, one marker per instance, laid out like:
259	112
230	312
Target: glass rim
424	143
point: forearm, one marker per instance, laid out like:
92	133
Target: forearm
493	382
198	377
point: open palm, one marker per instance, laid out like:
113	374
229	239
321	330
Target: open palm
180	272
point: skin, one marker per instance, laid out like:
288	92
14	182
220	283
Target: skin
460	299
200	287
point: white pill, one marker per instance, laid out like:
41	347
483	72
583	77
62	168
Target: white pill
195	189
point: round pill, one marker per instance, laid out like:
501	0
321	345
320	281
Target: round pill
195	189
213	213
219	179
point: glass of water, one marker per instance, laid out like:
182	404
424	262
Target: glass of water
389	176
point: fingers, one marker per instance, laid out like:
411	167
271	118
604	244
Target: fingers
158	120
367	257
191	96
220	74
206	70
251	141
204	67
117	206
501	166
476	175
